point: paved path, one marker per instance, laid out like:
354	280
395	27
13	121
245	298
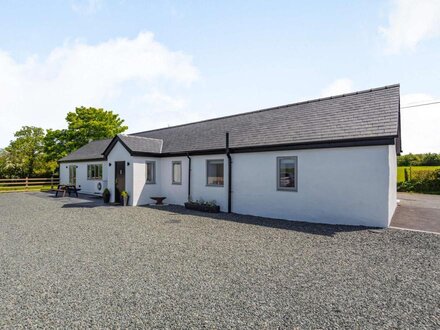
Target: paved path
418	212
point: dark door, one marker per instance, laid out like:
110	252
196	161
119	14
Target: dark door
119	180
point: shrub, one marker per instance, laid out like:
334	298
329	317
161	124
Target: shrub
106	195
423	182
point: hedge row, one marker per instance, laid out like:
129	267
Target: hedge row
423	182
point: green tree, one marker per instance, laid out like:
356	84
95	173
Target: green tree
5	166
408	160
25	153
428	159
84	125
90	124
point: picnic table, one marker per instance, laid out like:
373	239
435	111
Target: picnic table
67	188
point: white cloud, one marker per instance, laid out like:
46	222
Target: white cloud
87	7
138	78
339	86
410	22
420	124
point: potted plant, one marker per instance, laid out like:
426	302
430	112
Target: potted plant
106	196
201	205
124	198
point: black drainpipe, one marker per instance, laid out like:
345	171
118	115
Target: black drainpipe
228	154
189	176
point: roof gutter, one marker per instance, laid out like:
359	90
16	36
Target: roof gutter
358	142
82	160
189	177
228	154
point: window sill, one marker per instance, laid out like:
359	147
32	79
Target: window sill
288	189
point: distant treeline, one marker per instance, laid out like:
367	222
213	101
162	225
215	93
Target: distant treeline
428	159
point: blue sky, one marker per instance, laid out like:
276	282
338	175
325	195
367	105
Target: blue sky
160	63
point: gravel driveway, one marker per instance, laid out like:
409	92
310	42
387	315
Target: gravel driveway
70	262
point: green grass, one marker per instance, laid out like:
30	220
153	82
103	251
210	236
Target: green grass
401	170
23	188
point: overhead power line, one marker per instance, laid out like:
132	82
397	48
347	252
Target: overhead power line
419	105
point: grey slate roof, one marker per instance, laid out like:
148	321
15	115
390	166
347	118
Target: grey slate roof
92	150
363	115
366	114
141	144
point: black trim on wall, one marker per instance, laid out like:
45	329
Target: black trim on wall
228	154
189	177
385	140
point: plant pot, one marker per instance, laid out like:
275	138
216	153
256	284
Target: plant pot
202	208
124	201
106	198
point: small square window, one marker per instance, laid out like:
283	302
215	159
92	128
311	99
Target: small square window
176	172
150	172
215	172
287	173
94	172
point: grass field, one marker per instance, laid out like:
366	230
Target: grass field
23	188
401	170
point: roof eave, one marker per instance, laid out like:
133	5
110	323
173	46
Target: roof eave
81	160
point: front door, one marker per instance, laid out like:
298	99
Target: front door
119	180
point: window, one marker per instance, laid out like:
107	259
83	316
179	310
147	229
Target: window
150	172
287	173
176	175
214	171
72	175
94	172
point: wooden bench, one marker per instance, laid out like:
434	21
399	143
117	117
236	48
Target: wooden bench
60	190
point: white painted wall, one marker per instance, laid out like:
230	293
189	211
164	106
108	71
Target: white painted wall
392	187
142	191
175	193
86	186
119	153
199	189
337	185
355	185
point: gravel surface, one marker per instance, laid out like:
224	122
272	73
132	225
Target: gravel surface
71	262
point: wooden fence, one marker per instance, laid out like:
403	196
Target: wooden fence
28	184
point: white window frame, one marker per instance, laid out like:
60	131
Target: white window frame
208	161
295	161
173	181
152	163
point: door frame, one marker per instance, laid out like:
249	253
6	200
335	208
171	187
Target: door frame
117	192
